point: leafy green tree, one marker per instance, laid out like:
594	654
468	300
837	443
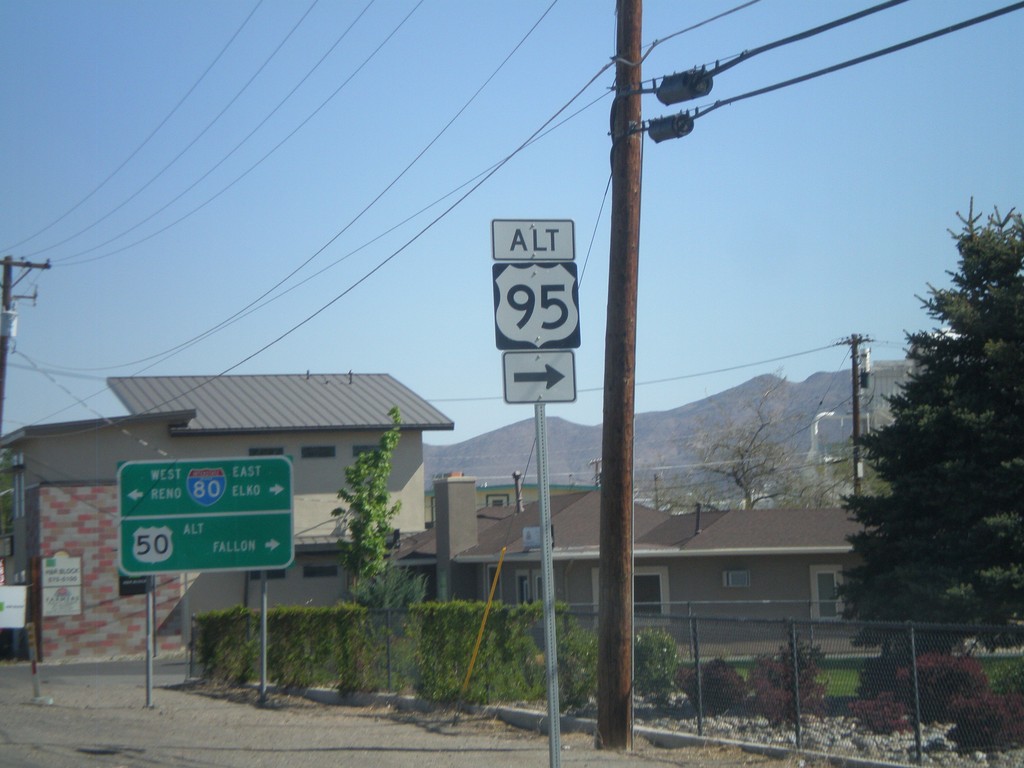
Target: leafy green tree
367	518
946	542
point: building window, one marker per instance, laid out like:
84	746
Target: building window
266	450
277	573
523	594
650	589
492	570
497	500
319	571
737	578
647	593
825	581
318	451
357	450
18	485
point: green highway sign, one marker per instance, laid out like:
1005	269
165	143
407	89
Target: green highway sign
231	514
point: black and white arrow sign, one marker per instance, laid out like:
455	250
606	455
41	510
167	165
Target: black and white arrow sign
540	377
549	376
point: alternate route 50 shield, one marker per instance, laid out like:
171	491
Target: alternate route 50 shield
536	306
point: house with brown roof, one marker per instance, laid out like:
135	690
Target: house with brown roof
66	500
762	562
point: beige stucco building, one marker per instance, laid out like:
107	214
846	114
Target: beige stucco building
66	498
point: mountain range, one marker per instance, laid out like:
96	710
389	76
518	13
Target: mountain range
663	439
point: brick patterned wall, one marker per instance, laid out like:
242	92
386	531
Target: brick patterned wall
81	521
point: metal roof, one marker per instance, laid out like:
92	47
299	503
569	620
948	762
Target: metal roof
311	401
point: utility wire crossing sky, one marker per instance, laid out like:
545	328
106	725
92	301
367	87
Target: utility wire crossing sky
276	187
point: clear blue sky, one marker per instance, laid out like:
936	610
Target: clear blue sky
782	224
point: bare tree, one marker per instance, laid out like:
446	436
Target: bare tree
749	452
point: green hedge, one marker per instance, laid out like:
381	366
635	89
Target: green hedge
305	646
228	644
343	646
509	665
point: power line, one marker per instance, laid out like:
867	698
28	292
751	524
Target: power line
651	46
237	146
145	141
180	154
244	311
681	377
255	165
256	304
486	176
861	59
394	254
746	55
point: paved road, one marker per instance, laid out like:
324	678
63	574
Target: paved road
99	719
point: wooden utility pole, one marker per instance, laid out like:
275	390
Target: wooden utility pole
855	341
7	322
615	619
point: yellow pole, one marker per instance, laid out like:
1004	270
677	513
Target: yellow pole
483	623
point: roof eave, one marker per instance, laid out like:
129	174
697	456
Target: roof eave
192	431
733	551
62	427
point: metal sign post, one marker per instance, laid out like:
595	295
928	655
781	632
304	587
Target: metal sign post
38	698
217	514
150	638
263	637
548	582
537	323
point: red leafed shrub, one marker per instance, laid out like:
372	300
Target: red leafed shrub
878	675
988	721
771	680
941	678
882	714
722	687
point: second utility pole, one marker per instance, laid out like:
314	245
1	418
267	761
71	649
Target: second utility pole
7	322
855	341
615	593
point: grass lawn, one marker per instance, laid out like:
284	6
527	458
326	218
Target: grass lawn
841	675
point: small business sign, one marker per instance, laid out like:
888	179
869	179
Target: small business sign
127	586
12	607
62	586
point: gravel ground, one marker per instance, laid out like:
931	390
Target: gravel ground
199	725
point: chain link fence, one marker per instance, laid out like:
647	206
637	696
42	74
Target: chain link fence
906	694
893	692
898	693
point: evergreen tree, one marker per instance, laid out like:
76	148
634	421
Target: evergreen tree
946	541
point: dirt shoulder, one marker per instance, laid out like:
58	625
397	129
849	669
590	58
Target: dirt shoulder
475	724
